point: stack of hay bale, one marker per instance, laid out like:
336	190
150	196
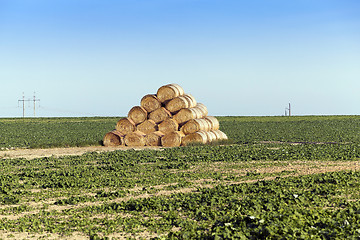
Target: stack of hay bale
169	118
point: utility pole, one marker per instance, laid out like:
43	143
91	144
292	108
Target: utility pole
23	104
289	110
35	100
28	100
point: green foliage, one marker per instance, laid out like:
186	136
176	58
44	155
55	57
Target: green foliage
339	129
195	192
54	132
64	132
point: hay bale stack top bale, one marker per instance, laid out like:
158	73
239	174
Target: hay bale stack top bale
169	118
169	91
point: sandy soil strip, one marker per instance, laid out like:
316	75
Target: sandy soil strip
58	152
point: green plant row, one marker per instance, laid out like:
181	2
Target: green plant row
185	192
64	132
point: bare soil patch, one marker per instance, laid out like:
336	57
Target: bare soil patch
58	152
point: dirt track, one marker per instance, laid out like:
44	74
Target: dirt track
58	152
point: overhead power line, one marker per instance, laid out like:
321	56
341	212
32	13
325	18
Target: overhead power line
23	100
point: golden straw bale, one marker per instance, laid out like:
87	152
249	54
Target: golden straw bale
186	114
214	123
219	135
154	138
159	115
195	125
202	108
113	138
135	139
125	126
210	136
147	126
169	91
178	103
191	100
172	139
196	137
137	114
150	102
169	125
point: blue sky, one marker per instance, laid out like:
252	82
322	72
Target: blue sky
239	58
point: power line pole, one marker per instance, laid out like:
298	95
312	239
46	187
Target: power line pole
35	100
28	100
23	104
289	110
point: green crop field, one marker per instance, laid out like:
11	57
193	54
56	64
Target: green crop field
276	178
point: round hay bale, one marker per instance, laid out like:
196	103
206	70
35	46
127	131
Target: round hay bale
169	91
113	138
137	114
159	115
202	108
147	126
190	100
135	139
178	103
214	123
125	126
210	136
154	138
172	139
219	135
196	137
150	102
195	125
168	125
186	114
